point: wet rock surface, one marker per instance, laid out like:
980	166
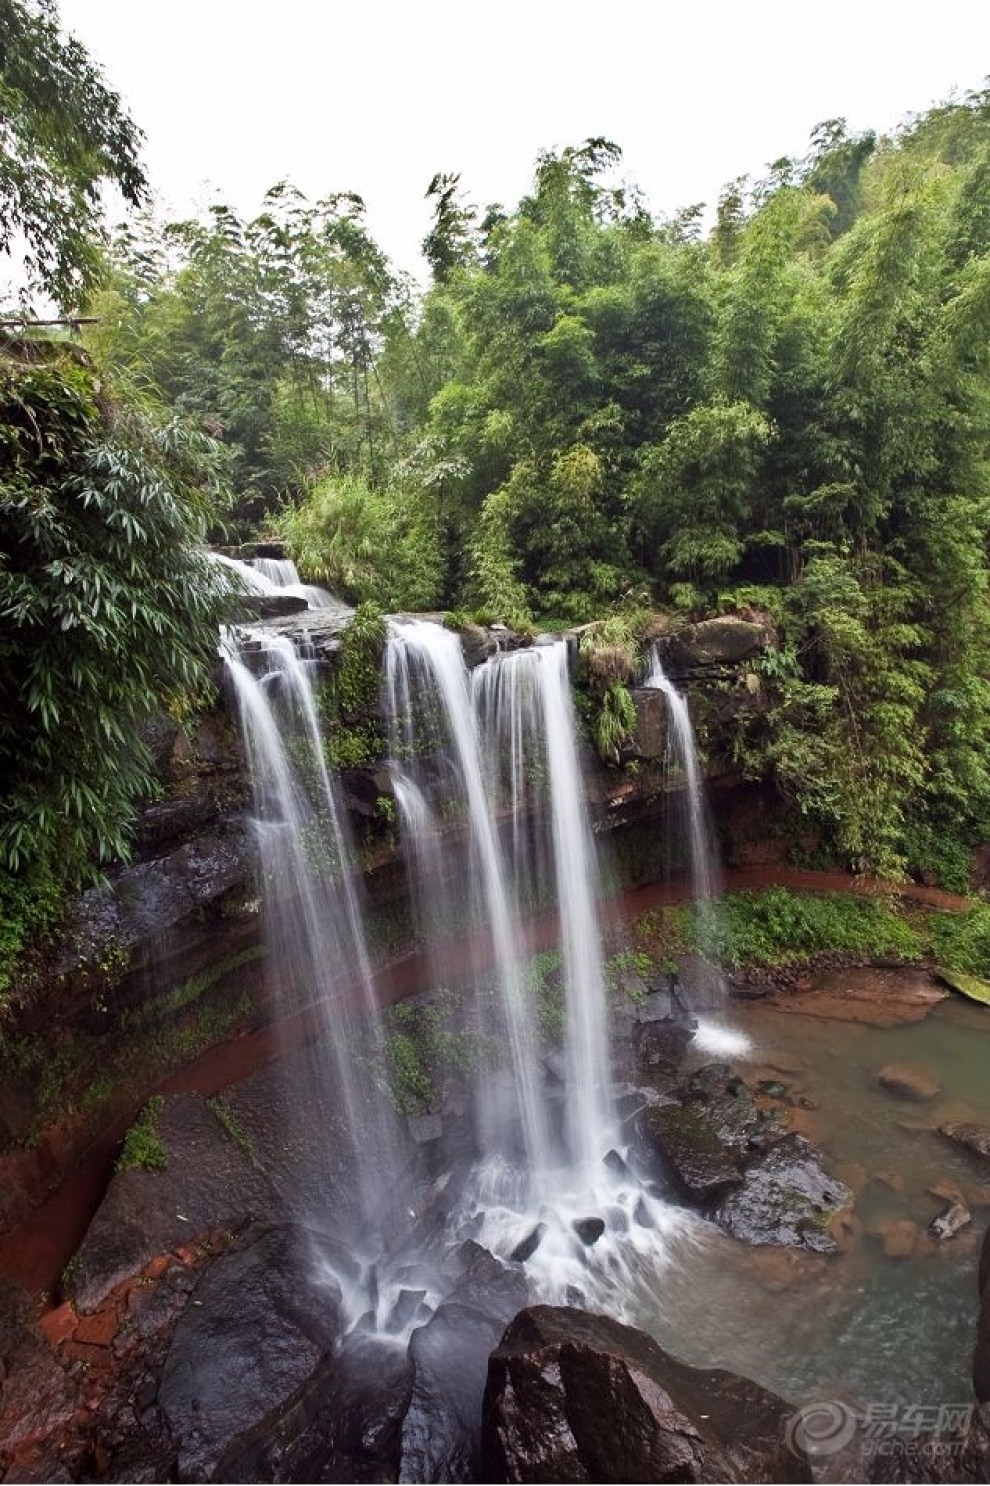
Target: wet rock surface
37	1397
251	1350
981	1355
208	1181
961	1455
721	1151
576	1397
787	1197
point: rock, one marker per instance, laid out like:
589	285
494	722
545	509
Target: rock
259	1311
975	1138
725	640
441	1429
576	1397
425	1128
589	1230
649	735
655	1006
957	1452
682	1144
899	1237
787	1197
869	996
37	1397
662	1044
910	1080
981	1356
209	1182
357	1435
269	605
949	1222
403	1311
527	1247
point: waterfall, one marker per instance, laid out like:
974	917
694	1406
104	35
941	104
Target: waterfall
507	740
524	704
683	766
313	917
682	761
271	575
425	671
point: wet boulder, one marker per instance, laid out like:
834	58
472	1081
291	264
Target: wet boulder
441	1429
721	641
981	1357
252	1353
578	1397
680	1143
37	1397
787	1197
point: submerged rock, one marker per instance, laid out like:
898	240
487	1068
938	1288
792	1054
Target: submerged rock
578	1397
787	1197
910	1080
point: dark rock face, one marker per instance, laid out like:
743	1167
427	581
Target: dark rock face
687	1148
252	1348
722	641
576	1397
951	1457
981	1357
36	1395
208	1180
440	1433
649	740
719	1152
270	605
786	1198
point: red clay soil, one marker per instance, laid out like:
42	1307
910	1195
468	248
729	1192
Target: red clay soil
35	1253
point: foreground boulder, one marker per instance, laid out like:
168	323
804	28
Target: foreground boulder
251	1356
579	1397
981	1357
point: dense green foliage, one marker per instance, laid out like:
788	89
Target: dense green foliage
63	134
108	606
589	414
776	927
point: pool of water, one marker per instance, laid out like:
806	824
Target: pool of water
857	1326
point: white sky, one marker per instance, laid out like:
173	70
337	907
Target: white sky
376	97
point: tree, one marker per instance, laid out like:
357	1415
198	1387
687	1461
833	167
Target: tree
108	605
63	135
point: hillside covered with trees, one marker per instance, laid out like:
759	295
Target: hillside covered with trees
591	414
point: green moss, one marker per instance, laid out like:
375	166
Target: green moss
143	1148
232	1125
547	989
169	1003
961	941
625	971
358	672
30	907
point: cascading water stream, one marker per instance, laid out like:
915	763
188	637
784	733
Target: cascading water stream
277	575
313	919
425	670
524	706
683	763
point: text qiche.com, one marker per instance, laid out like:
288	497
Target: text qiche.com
879	1428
